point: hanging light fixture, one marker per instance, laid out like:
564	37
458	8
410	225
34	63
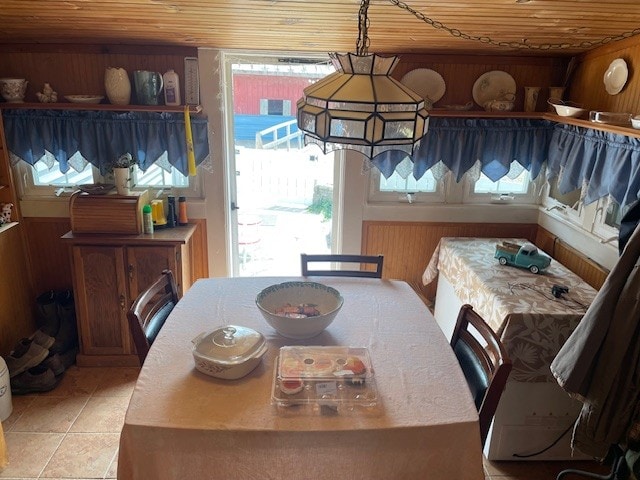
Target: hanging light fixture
360	106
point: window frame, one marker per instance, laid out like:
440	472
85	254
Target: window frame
375	195
530	197
27	189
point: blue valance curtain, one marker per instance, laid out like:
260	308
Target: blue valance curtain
605	163
461	142
102	136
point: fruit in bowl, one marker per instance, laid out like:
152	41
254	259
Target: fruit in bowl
299	309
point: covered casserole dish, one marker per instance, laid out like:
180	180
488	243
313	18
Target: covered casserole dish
229	352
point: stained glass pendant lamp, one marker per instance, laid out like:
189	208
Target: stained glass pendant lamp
360	106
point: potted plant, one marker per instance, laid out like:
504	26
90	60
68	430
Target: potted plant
122	170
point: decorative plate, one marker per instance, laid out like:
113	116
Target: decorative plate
96	188
493	85
84	98
425	82
615	77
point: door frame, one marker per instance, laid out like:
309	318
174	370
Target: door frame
231	205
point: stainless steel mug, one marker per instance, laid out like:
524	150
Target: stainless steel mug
148	87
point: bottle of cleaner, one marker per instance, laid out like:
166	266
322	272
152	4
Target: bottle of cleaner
147	219
171	88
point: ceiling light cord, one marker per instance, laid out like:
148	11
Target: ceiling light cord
523	45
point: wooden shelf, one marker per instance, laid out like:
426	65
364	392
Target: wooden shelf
7	226
99	106
604	127
484	114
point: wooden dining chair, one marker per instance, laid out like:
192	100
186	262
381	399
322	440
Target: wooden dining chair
367	260
150	310
484	361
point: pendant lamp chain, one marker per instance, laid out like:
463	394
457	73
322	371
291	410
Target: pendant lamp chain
362	45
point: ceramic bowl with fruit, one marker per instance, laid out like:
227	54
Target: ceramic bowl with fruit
299	309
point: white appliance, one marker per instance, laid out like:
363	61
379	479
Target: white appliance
530	416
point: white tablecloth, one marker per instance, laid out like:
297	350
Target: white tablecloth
182	424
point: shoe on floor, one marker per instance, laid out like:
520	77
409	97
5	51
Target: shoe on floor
67	336
47	313
54	362
42	339
36	379
25	355
68	358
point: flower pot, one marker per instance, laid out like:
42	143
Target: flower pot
121	177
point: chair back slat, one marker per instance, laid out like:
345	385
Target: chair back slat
375	261
150	310
484	361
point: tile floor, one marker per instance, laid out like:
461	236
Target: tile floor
72	432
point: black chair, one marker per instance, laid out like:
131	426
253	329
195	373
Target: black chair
484	361
150	310
367	260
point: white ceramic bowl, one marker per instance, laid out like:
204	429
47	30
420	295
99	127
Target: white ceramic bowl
635	121
326	299
565	108
229	352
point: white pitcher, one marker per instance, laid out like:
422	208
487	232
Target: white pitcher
117	85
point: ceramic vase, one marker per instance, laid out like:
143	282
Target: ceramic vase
117	86
121	178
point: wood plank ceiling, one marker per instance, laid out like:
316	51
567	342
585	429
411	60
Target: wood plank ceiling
319	25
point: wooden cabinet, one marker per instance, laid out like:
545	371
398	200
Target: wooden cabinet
109	272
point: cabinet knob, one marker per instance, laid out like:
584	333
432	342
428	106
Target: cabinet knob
122	302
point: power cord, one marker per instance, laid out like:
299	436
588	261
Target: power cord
517	455
553	296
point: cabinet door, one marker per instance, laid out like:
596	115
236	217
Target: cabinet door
145	265
102	300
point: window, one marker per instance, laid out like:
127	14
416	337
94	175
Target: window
406	190
42	180
515	187
275	107
607	219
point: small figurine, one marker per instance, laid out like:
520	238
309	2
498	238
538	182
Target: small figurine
5	216
523	256
47	95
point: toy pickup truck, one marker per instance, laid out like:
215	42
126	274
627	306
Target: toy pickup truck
523	256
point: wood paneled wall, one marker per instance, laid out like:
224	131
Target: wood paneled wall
408	246
584	267
49	257
79	70
461	71
16	295
587	85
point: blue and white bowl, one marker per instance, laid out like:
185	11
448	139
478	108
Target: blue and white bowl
273	298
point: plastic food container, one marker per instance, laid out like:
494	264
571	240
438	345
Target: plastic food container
229	352
324	381
610	118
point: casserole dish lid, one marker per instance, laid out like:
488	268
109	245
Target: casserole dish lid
230	344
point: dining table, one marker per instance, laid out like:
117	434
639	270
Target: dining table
184	424
533	314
